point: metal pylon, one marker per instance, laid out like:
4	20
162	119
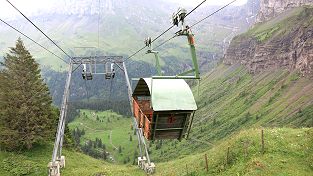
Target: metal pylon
58	161
144	161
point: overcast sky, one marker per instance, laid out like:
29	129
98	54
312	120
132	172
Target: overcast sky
208	2
33	6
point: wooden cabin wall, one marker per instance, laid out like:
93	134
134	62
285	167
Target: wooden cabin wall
137	114
171	120
160	125
170	125
143	114
172	134
146	109
144	103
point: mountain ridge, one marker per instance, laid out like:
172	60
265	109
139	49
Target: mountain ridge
283	42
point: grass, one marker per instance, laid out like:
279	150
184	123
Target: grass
233	100
279	26
233	107
109	123
287	152
34	163
264	35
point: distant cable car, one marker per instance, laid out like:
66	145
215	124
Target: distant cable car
85	74
109	71
164	108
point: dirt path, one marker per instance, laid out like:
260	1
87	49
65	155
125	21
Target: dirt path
111	141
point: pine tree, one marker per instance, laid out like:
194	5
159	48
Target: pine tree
69	141
83	132
119	149
27	116
100	143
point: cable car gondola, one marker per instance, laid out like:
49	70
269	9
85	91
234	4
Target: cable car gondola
164	108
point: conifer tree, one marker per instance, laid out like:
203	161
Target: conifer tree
27	116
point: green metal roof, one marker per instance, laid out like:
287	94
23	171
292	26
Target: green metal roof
167	94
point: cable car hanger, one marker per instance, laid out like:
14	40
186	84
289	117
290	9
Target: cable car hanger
87	75
178	19
109	70
148	43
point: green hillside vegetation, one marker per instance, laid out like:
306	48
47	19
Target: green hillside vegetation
252	125
281	25
233	107
286	152
231	100
34	163
103	125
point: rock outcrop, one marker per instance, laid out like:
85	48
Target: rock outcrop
272	8
279	43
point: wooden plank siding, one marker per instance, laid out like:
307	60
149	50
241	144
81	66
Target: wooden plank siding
171	124
173	134
163	124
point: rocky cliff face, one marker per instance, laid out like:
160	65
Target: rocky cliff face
279	43
272	8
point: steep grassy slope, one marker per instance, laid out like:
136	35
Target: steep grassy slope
287	152
281	25
230	99
34	163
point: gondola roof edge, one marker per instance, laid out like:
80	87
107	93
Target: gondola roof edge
166	94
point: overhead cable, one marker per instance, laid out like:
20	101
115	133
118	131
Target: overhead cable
33	40
135	53
213	13
198	22
39	29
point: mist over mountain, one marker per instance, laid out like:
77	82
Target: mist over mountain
123	25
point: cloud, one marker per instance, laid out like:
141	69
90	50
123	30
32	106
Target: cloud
31	7
26	6
208	2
